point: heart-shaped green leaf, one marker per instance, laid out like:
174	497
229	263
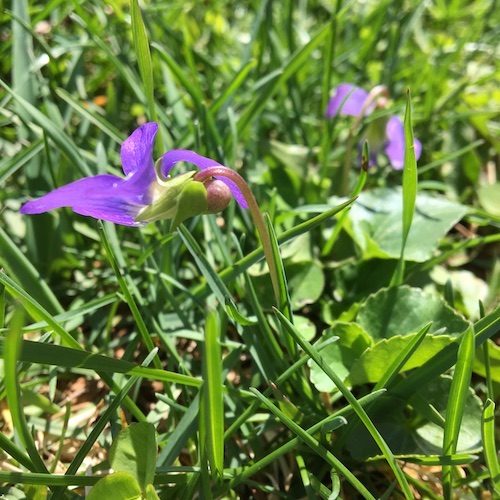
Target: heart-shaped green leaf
134	451
375	224
405	310
340	355
409	431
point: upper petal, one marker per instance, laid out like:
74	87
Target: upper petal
104	197
348	100
395	147
176	155
137	154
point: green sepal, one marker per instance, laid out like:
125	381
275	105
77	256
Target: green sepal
166	198
191	201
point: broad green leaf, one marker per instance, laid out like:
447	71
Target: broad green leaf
375	360
437	394
36	491
494	361
358	409
485	328
305	326
392	370
150	493
134	451
104	420
405	310
468	289
306	281
340	355
407	432
116	486
489	197
313	443
375	224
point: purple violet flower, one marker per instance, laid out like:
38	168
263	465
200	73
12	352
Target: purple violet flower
382	133
147	193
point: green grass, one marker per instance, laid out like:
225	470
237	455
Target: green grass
364	354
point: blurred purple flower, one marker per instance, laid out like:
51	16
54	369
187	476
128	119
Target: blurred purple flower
382	133
121	200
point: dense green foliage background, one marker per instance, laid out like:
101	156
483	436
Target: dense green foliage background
247	84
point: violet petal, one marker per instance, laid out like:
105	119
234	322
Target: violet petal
137	156
176	155
104	197
348	100
395	147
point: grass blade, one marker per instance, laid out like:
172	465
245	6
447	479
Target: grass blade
399	362
9	166
410	182
360	412
490	451
55	355
181	435
47	479
456	403
291	445
12	390
212	404
55	132
110	130
297	60
40	314
283	293
230	273
224	100
143	58
23	82
141	325
485	328
36	310
19	265
314	445
365	155
101	424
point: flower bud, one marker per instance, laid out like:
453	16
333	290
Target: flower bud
218	196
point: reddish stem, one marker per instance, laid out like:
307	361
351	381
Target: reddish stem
257	218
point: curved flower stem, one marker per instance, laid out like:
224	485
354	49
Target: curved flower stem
257	218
